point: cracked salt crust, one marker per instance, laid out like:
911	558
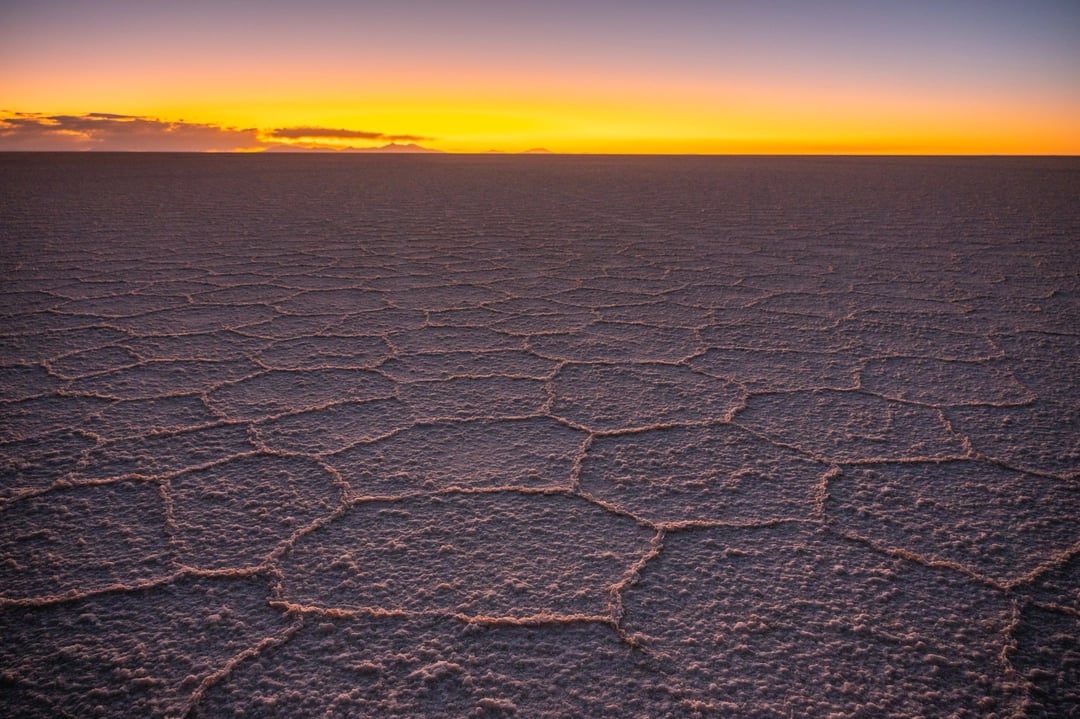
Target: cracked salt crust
611	438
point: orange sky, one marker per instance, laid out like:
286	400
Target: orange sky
589	76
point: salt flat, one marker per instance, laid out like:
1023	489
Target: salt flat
464	436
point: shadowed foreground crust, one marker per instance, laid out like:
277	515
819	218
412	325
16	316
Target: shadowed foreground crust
539	437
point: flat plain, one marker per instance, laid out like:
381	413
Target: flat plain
470	436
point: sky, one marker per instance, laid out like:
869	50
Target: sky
589	76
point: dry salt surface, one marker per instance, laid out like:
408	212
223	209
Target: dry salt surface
539	437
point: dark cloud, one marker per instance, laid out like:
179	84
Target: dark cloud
16	123
297	133
407	138
110	131
300	133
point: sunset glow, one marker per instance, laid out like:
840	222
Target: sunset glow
587	77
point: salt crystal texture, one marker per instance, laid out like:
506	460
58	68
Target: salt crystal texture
470	436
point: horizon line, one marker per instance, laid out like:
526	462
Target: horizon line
510	153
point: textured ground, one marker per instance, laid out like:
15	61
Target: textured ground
574	437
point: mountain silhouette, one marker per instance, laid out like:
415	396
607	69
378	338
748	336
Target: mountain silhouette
388	148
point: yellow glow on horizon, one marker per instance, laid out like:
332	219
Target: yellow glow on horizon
683	120
684	117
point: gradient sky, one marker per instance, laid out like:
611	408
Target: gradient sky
681	76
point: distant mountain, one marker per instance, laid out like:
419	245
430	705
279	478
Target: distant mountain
395	147
392	147
538	151
297	148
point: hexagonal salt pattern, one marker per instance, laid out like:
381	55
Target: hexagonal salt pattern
566	437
